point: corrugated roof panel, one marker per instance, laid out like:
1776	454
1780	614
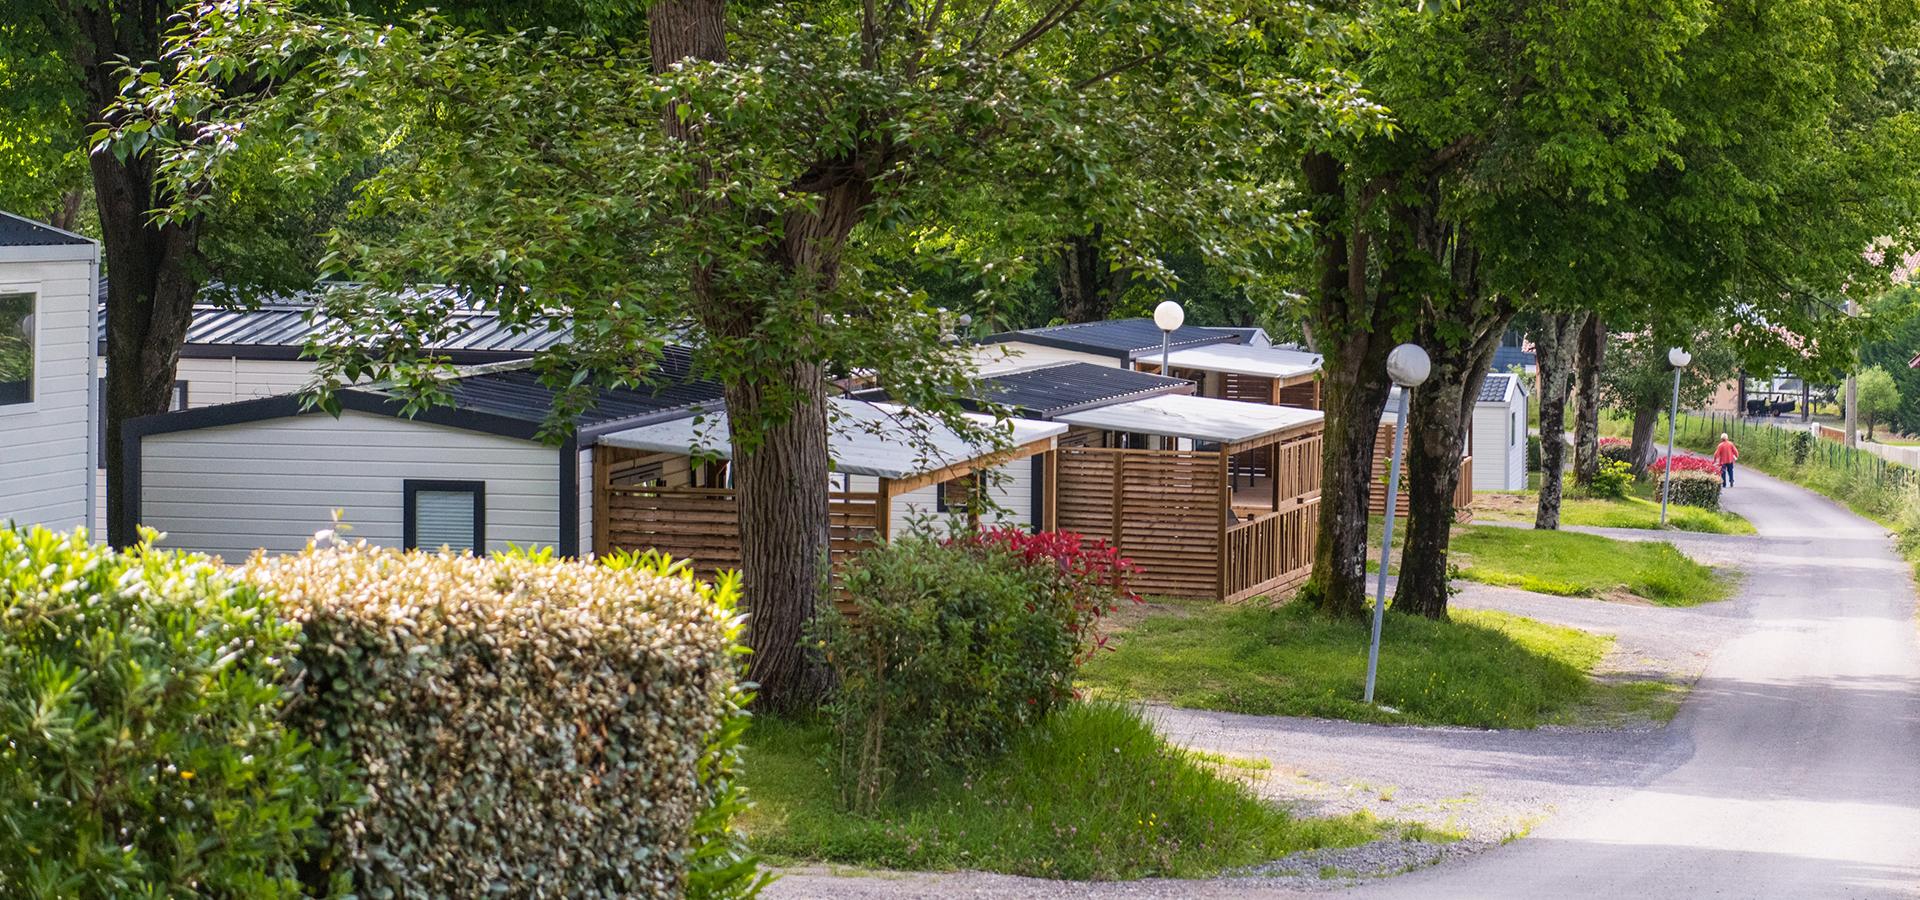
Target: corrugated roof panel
1050	390
1117	336
16	231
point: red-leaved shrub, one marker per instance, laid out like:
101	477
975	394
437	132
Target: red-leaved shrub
1090	574
1685	464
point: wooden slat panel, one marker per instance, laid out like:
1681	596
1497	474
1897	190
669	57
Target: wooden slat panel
1383	461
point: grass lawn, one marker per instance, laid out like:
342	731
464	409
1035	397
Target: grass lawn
1632	512
1094	794
1484	669
1584	565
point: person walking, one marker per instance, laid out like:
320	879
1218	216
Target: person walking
1725	454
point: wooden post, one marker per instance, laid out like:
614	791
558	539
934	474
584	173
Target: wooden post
1273	472
1050	492
1119	492
602	499
1220	536
886	510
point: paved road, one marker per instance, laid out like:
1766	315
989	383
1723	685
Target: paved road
1792	771
1804	778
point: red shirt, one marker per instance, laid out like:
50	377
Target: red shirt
1725	453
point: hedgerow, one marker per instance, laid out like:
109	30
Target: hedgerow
516	722
143	750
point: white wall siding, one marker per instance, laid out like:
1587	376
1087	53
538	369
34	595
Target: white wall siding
1010	484
46	445
1500	446
271	484
584	483
211	382
993	359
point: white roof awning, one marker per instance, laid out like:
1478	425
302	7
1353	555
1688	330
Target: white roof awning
884	440
1229	422
1241	359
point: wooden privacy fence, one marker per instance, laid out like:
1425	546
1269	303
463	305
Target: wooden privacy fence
1163	508
1382	464
1270	553
703	524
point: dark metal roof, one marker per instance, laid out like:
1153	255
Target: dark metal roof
1131	337
283	324
518	394
1494	388
20	232
1505	358
1056	390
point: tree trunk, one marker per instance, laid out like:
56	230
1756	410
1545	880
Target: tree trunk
1089	285
1586	419
1353	337
152	282
781	488
1645	417
1554	346
778	417
1436	433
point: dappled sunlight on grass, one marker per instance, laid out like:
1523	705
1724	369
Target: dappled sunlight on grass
1483	668
1093	793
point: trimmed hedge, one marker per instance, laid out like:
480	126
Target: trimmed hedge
142	748
515	721
1695	488
1617	449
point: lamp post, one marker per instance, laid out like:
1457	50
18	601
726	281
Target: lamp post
1169	316
1408	366
1679	359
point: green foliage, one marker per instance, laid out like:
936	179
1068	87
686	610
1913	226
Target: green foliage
520	720
1585	565
145	753
1092	793
1693	489
1533	453
1877	396
1896	320
1480	669
1612	480
1800	447
949	652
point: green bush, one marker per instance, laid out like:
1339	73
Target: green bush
1533	453
954	649
1617	449
520	721
144	751
1802	447
1612	480
1690	488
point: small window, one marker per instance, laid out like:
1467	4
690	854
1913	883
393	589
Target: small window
956	495
450	514
16	349
1513	434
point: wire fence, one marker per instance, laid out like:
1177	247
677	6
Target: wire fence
1799	446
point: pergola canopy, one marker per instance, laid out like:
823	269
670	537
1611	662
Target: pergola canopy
1240	359
883	440
1234	424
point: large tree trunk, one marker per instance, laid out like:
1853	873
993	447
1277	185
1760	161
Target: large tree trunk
1590	356
1089	284
1353	339
151	268
1646	416
1554	345
779	417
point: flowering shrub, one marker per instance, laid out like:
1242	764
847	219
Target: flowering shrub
1617	449
1612	480
955	648
1684	464
1091	577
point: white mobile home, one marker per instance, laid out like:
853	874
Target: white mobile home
1500	434
48	280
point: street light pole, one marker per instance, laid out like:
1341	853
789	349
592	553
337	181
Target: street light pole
1678	358
1408	366
1169	317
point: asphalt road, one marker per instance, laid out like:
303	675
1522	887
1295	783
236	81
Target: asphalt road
1804	773
1792	771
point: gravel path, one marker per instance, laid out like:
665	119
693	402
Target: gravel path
1790	774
